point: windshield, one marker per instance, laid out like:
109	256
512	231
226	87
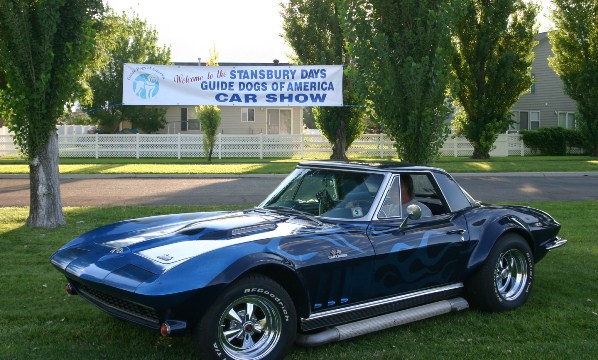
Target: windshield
327	193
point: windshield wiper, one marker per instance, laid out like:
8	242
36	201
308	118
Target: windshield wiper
291	211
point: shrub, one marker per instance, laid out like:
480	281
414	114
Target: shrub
552	140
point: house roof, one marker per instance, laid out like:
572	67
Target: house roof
233	64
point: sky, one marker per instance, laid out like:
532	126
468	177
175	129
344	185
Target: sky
241	30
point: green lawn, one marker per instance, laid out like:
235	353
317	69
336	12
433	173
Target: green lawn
39	321
11	165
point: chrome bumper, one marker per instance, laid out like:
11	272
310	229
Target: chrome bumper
557	242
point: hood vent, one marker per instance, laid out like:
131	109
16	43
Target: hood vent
192	231
252	229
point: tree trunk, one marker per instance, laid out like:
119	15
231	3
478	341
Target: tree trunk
480	154
339	147
45	205
594	148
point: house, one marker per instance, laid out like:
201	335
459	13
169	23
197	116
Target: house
236	120
546	104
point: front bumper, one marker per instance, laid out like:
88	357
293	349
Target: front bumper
555	243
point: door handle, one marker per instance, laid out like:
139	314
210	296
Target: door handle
456	232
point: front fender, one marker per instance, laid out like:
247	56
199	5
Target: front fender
486	229
278	269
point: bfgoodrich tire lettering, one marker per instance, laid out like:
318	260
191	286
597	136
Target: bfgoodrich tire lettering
505	280
253	319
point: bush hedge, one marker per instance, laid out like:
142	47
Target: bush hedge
553	140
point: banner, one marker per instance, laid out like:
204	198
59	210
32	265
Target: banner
247	86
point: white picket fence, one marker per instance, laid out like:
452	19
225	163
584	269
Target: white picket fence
79	144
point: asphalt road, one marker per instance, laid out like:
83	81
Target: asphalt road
123	190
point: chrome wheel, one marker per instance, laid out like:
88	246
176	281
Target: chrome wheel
249	328
510	274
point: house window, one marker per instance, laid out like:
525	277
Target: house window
247	115
193	124
514	126
532	88
567	120
188	124
534	120
525	120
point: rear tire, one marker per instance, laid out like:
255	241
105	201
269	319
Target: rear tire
253	319
505	280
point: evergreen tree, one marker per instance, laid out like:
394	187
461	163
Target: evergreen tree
312	29
494	41
401	48
575	48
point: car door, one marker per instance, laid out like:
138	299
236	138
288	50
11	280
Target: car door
334	259
427	252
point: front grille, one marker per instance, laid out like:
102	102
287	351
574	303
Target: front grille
121	308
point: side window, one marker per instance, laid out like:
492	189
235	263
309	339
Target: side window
457	200
414	188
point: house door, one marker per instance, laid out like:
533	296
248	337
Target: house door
279	121
273	121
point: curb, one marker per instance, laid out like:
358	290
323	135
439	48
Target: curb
151	176
282	176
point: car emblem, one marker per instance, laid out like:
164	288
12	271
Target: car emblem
336	254
165	257
117	250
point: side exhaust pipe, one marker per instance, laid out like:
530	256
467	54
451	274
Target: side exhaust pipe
366	326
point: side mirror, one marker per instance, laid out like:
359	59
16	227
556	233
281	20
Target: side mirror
414	212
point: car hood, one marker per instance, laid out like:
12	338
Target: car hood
150	246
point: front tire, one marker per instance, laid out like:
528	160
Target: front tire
505	280
253	319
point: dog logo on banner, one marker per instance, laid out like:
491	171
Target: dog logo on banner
146	86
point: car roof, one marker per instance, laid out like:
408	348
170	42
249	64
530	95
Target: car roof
382	166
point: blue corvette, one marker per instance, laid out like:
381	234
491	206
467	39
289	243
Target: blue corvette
337	250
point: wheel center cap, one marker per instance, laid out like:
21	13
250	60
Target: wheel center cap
504	273
248	327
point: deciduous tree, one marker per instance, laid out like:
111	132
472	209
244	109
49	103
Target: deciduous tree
124	39
575	48
209	115
312	29
44	48
494	41
401	49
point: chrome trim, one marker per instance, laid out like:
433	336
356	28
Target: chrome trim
385	301
394	174
382	322
253	229
558	242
